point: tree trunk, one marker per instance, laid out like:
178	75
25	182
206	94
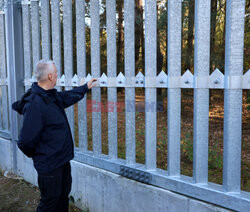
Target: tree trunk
189	54
139	35
212	34
120	44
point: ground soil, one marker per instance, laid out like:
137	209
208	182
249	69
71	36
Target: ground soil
16	195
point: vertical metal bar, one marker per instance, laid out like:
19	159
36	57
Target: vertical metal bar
174	94
150	93
1	98
27	41
233	98
35	26
68	55
111	62
201	95
95	70
56	35
81	72
3	62
45	23
129	50
14	52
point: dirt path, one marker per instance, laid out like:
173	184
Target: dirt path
16	195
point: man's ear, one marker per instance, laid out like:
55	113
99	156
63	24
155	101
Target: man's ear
49	76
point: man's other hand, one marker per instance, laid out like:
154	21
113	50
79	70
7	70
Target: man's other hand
90	83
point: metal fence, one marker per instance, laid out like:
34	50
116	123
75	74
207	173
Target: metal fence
44	18
4	119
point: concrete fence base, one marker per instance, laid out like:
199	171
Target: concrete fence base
103	191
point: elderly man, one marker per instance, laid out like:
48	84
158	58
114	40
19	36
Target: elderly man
46	136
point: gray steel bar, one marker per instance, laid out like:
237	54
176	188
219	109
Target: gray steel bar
56	36
2	69
35	26
129	51
150	93
201	96
1	99
27	42
68	55
45	23
2	57
174	94
95	70
111	62
233	98
14	52
81	72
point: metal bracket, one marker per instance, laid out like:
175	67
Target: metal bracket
139	80
162	80
103	80
120	80
135	174
216	80
187	80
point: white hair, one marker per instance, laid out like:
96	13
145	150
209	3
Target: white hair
43	68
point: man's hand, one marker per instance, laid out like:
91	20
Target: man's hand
90	83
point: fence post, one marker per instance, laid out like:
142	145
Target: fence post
233	97
174	93
111	62
81	72
201	95
3	101
95	71
150	93
68	56
14	50
129	59
27	41
35	34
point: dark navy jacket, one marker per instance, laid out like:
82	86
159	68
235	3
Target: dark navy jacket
45	135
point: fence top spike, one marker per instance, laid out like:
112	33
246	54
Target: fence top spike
75	76
140	74
120	75
104	76
216	72
89	77
63	77
162	74
187	73
75	79
247	74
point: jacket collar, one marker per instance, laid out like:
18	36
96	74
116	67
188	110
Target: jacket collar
48	96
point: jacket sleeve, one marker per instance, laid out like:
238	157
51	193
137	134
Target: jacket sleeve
71	97
31	130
